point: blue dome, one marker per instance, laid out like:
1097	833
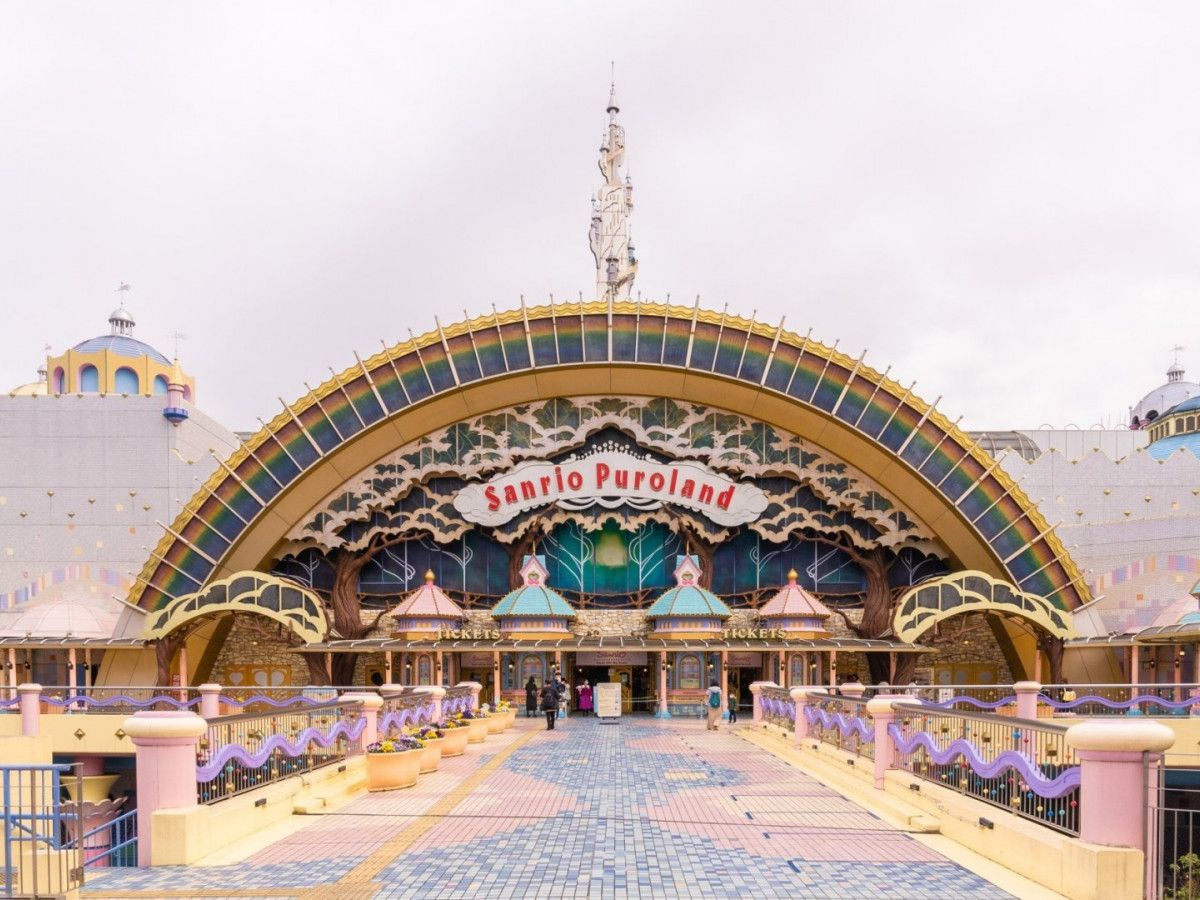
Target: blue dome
122	345
1164	447
533	600
1191	618
689	600
1189	405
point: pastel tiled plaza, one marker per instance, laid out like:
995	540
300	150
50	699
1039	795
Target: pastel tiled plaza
639	808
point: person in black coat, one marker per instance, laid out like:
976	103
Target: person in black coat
550	704
531	697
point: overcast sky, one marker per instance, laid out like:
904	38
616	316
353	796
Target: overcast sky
1001	201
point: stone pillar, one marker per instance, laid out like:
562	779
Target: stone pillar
475	687
371	704
210	700
881	713
1112	796
756	689
1027	698
165	748
496	676
30	704
1135	670
663	711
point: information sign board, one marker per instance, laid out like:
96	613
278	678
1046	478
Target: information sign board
608	700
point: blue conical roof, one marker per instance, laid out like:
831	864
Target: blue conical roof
533	598
687	598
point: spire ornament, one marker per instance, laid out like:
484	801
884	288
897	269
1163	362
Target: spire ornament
609	236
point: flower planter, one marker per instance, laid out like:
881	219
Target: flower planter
477	731
510	718
455	742
496	723
431	755
388	771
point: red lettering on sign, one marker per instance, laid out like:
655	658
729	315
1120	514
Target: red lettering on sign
528	490
689	487
574	481
674	479
706	493
725	497
657	481
545	481
622	479
602	473
558	477
638	477
510	494
493	498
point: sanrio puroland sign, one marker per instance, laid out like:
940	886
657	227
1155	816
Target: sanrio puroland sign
611	479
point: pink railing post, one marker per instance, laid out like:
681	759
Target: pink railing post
802	697
854	689
756	690
371	704
883	714
475	687
1112	794
30	705
210	700
436	694
165	748
1027	698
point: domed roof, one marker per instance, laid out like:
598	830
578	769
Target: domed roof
793	600
1164	447
122	345
428	600
687	598
1163	397
1189	405
80	617
533	598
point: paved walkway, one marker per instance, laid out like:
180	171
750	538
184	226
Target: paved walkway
637	809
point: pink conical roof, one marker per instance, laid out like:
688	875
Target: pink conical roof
793	600
428	600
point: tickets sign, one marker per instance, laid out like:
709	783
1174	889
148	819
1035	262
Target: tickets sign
611	479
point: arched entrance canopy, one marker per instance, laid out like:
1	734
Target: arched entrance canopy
298	609
926	604
645	349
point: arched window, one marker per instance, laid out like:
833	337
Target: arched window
160	386
126	381
58	383
424	669
1191	423
531	667
89	380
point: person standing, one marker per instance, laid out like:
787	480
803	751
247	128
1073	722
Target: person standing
733	707
531	697
585	698
563	691
550	704
712	700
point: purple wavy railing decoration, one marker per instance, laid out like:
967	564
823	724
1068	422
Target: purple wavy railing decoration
1045	787
298	700
10	703
970	701
1118	704
252	760
772	707
456	705
844	725
414	715
123	700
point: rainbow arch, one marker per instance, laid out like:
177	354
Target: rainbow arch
647	349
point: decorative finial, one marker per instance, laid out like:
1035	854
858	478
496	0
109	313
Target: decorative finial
1175	372
608	234
177	337
429	576
792	576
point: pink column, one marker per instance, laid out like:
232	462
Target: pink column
475	687
800	696
1027	698
210	700
663	711
436	693
756	690
371	704
165	747
30	704
881	713
854	688
1112	795
725	684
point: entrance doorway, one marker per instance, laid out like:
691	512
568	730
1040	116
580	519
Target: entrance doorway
623	675
740	680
